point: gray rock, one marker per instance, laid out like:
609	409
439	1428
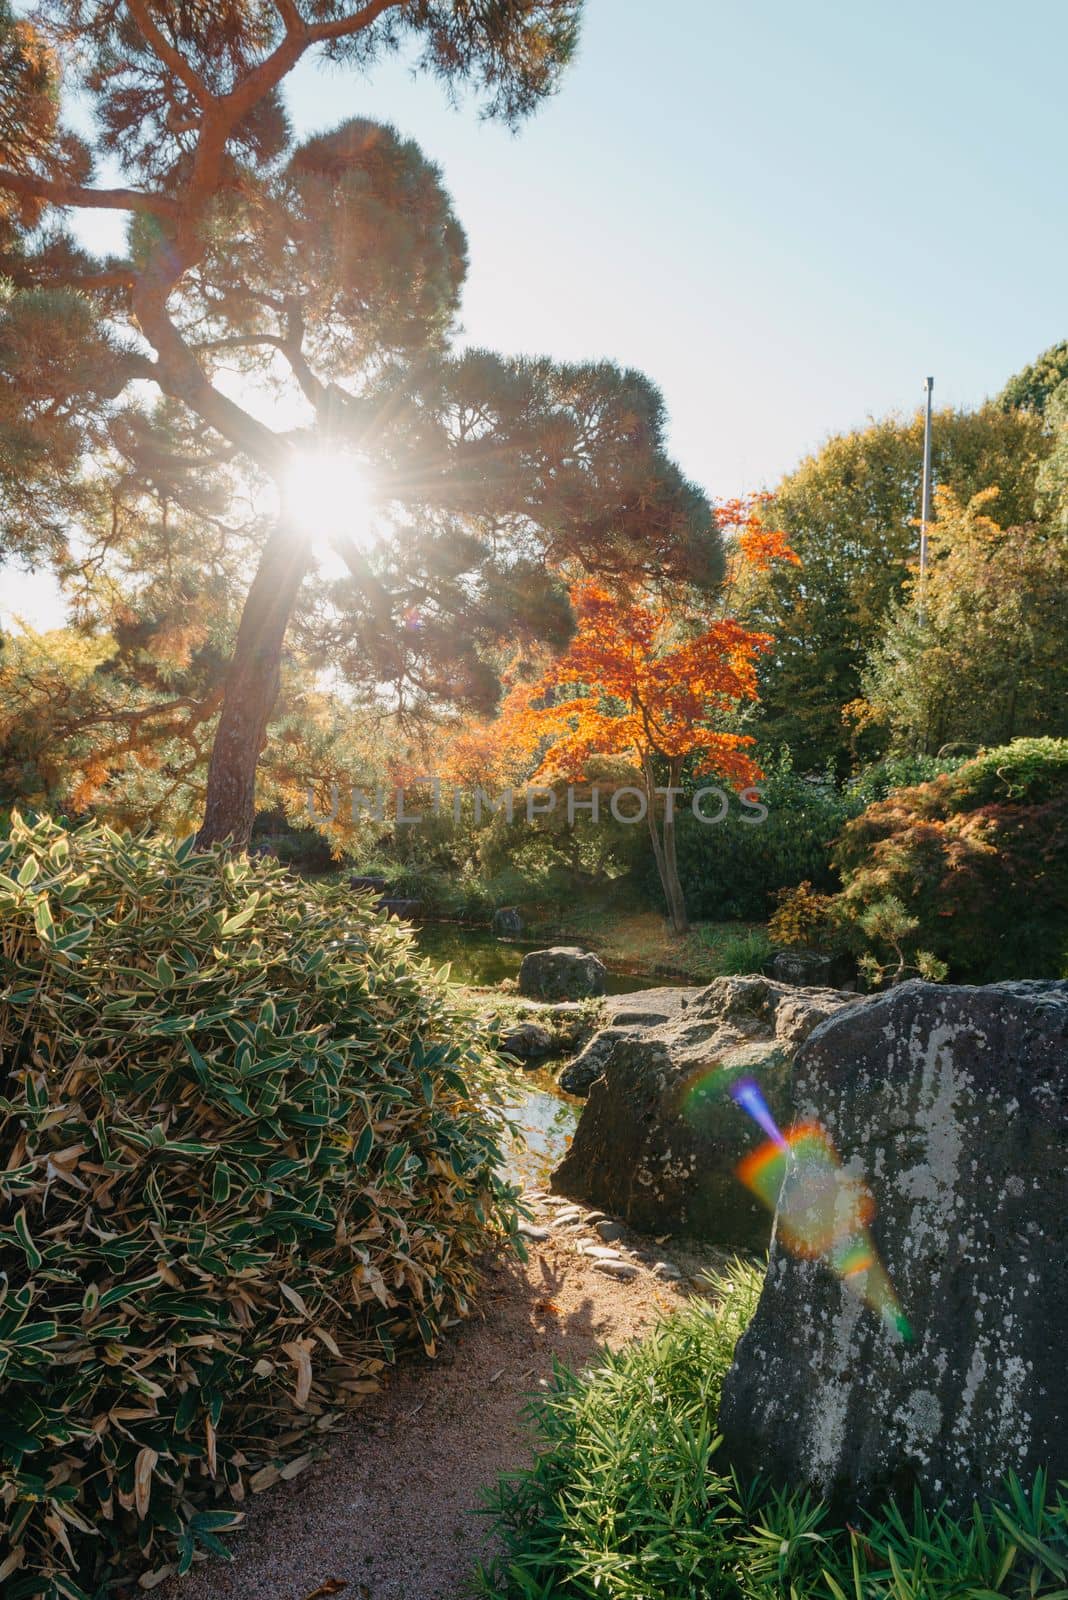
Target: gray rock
952	1105
561	973
810	970
507	922
530	1230
609	1230
616	1269
529	1042
368	885
589	1064
655	1145
666	1270
647	1007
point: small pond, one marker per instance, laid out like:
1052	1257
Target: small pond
547	1117
478	958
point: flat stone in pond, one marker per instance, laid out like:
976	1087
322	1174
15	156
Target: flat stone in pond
563	972
646	1008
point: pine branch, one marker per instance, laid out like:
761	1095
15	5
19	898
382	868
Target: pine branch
61	192
199	709
289	14
313	388
344	27
169	55
179	374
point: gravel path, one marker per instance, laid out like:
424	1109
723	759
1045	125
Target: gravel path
388	1514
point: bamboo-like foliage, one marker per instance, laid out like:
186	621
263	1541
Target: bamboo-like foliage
245	1157
630	1498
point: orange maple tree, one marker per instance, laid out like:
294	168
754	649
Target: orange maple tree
644	681
638	682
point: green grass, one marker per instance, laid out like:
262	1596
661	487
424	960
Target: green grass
642	942
735	950
629	1499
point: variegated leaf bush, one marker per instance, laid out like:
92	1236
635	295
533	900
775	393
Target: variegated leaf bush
248	1152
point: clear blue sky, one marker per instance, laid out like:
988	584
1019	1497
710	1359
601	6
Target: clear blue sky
786	214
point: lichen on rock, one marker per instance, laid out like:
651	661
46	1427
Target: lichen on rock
952	1105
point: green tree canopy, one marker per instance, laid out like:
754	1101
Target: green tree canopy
851	513
976	657
1033	387
1053	473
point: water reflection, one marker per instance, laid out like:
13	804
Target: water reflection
548	1119
479	959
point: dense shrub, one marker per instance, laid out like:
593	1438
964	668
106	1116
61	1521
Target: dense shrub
241	1164
977	859
804	919
733	869
880	778
304	849
630	1499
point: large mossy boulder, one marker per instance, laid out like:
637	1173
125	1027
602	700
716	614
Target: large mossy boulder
658	1140
562	973
951	1104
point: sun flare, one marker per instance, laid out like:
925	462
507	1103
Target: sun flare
327	494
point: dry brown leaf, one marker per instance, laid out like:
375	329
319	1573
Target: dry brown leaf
295	1300
297	1351
143	1469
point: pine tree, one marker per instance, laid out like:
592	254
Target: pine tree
332	267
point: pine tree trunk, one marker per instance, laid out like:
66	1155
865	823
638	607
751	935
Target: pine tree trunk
251	691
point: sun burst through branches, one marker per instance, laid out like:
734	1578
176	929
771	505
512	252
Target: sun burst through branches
328	496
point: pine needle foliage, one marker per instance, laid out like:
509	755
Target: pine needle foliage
245	1159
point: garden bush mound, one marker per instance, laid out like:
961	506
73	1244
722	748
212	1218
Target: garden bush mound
245	1158
629	1498
978	859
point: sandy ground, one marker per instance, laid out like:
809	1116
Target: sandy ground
389	1514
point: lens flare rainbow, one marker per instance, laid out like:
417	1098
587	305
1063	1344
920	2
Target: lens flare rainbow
822	1212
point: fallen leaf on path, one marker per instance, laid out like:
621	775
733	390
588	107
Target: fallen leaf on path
331	1586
